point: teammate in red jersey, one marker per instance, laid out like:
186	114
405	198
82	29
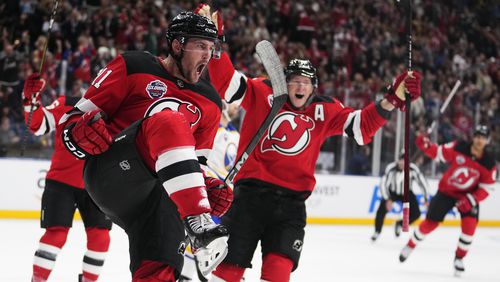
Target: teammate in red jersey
63	192
144	126
466	183
278	176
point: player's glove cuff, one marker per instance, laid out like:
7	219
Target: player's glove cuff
70	143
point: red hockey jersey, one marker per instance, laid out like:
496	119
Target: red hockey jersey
466	174
64	167
136	85
287	153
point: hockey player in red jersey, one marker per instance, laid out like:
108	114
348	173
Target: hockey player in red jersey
63	192
144	126
278	176
467	182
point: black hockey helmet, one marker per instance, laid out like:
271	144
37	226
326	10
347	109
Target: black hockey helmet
303	68
188	24
482	130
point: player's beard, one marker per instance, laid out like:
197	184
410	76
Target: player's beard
195	72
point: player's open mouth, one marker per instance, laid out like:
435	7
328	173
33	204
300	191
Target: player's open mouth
299	96
200	69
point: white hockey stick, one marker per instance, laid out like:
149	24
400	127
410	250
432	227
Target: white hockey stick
274	69
445	104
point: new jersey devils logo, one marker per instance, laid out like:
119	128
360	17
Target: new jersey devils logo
464	177
289	134
190	111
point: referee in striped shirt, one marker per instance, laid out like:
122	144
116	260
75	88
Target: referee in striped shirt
391	187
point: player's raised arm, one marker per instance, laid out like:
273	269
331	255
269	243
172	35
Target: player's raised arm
363	124
230	83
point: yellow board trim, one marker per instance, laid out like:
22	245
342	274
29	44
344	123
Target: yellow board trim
16	214
367	221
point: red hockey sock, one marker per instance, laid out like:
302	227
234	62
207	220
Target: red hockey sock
276	268
154	271
468	225
229	272
50	245
97	248
426	227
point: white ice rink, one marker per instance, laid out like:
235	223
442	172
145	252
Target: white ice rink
331	253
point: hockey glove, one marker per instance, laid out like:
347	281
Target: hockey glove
87	136
33	86
466	203
216	17
220	196
408	82
423	142
208	241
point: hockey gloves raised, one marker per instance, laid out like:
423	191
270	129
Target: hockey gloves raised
466	203
208	241
33	86
408	82
220	195
87	136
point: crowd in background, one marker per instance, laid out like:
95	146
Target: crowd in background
357	46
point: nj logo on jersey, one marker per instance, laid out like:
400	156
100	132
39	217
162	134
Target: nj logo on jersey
190	111
288	134
156	89
464	177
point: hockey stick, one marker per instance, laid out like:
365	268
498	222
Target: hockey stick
274	69
445	104
42	62
406	192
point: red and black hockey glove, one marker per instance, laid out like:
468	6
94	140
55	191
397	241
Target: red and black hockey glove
466	203
408	82
87	136
220	196
33	86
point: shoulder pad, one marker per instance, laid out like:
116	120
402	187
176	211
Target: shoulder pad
322	99
206	89
141	62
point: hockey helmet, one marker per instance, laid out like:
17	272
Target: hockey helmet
482	130
303	68
188	24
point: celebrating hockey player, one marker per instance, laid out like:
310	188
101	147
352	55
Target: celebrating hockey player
63	191
391	190
277	178
467	182
144	126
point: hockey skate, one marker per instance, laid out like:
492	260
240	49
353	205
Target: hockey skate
398	227
375	236
405	253
208	241
458	263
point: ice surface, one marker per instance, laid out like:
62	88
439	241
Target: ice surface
331	253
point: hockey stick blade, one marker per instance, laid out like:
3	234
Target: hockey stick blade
274	69
272	64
